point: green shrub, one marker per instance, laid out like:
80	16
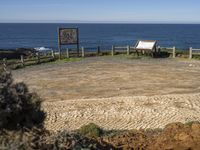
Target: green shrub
189	123
91	130
18	107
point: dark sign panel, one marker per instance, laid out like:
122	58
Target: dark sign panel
68	36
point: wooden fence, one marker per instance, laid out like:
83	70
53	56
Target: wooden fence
123	49
171	50
84	51
127	48
38	58
96	50
193	52
130	49
23	61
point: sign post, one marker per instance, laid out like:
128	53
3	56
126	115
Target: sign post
68	36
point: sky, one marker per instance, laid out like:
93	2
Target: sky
100	11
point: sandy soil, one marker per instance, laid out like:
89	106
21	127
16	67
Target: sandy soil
116	93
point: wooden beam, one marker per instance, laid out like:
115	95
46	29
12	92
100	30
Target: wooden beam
128	50
113	50
174	52
22	60
38	57
83	52
52	54
190	53
59	44
67	51
98	50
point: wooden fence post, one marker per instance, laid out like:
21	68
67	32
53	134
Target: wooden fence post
67	51
158	50
174	52
113	50
5	64
38	57
52	54
128	50
98	50
22	60
190	53
83	52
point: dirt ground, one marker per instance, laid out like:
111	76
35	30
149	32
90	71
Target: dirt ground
116	92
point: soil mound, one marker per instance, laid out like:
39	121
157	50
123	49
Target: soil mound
175	136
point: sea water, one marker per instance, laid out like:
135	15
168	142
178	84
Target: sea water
34	35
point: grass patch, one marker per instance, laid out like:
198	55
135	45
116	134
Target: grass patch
189	123
124	56
66	60
94	131
195	56
72	59
91	130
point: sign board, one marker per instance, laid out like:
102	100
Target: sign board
68	36
149	45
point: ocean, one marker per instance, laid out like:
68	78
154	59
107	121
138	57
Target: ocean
20	35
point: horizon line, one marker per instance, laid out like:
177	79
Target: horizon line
100	23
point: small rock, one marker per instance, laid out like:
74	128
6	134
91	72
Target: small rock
191	65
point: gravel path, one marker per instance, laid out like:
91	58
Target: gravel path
123	112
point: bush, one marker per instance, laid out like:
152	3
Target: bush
23	139
91	130
44	140
65	140
18	107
